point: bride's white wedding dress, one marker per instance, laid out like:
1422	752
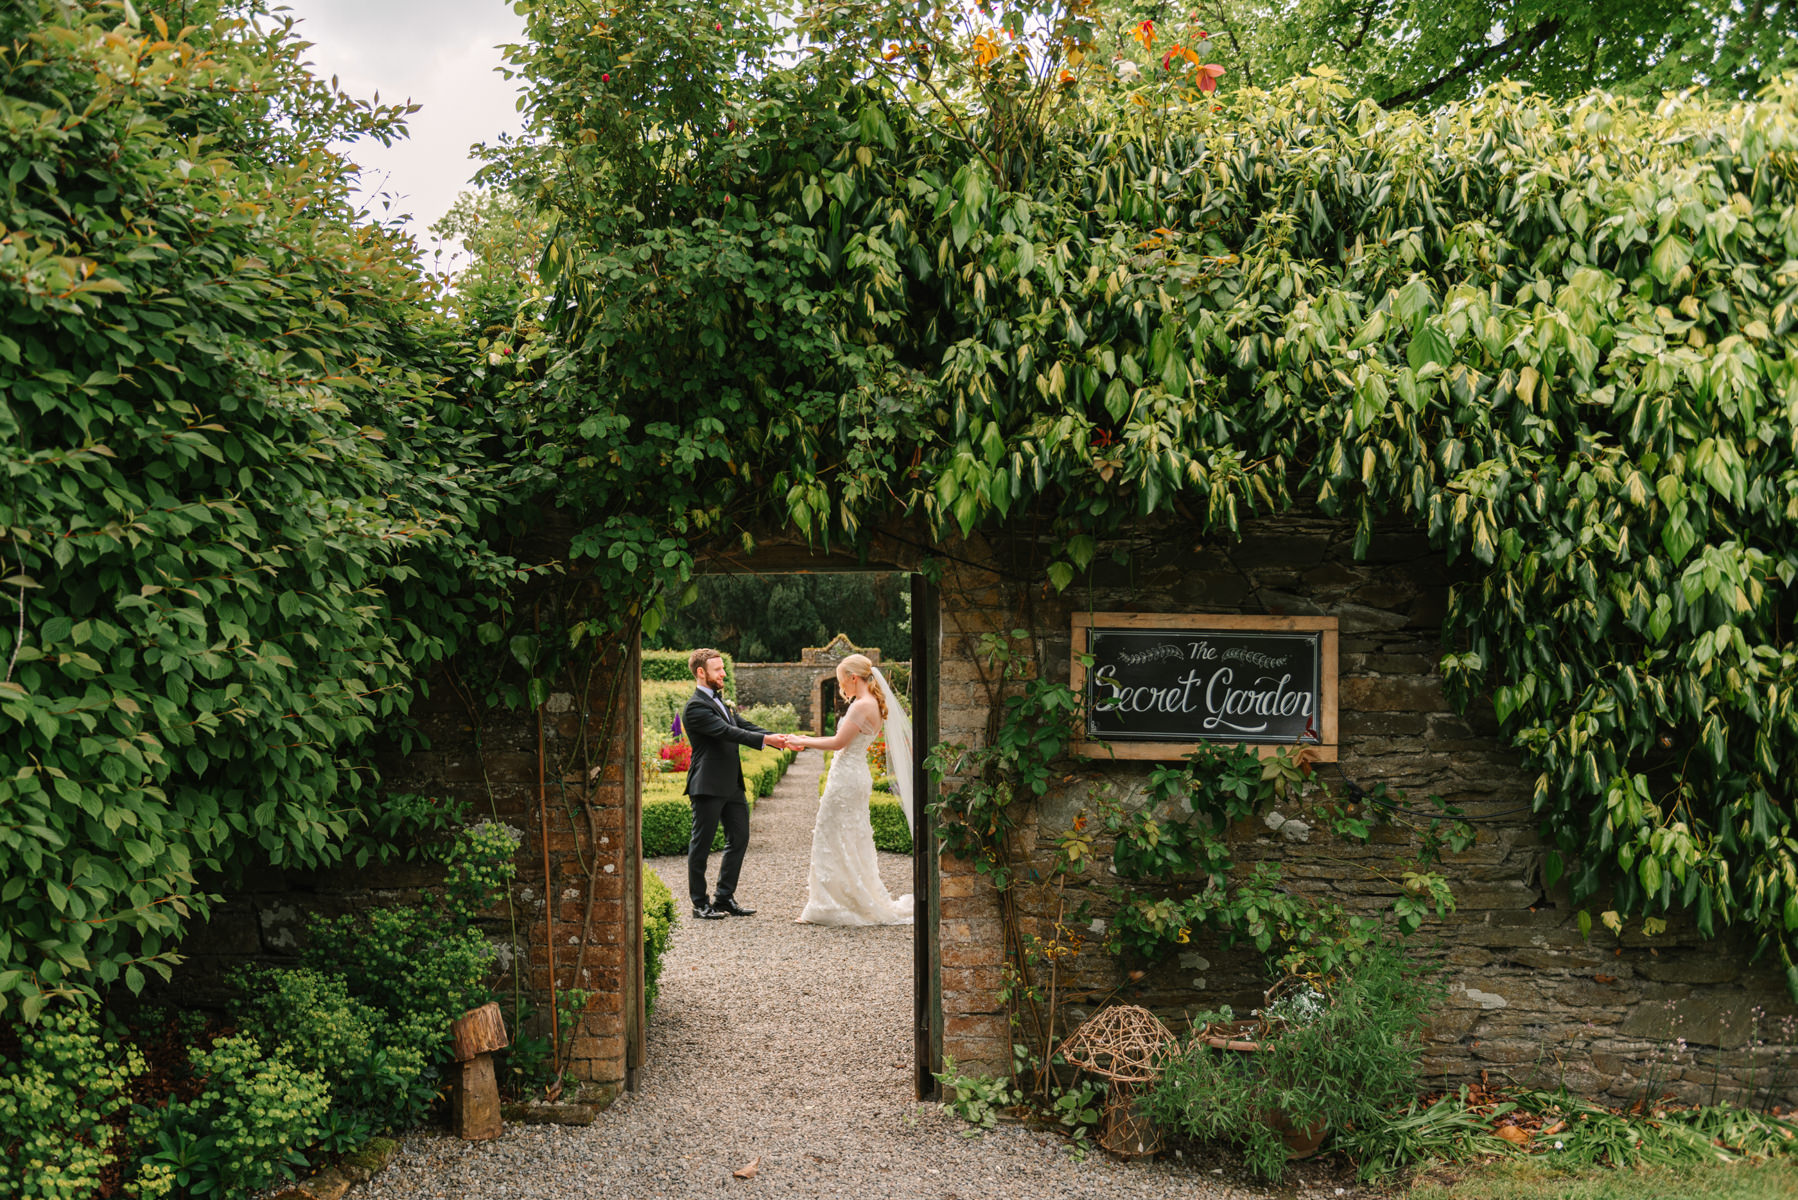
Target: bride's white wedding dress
845	886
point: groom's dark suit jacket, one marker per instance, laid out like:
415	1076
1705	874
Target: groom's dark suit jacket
716	769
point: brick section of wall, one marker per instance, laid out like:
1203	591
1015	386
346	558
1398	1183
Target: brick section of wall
1528	996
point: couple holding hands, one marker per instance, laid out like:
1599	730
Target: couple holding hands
844	887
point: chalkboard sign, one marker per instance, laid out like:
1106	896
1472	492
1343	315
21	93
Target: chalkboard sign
1158	683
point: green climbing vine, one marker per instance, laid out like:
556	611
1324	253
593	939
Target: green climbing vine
259	480
1557	335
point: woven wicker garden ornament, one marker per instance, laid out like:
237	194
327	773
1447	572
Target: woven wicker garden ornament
1123	1043
1127	1046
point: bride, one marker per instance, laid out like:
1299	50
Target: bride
845	886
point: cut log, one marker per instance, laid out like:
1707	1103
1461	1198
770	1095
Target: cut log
479	1031
475	1100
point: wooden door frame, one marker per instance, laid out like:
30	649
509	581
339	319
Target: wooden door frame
773	558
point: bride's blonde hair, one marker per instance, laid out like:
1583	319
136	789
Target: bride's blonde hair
862	667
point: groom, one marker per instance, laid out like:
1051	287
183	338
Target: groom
715	784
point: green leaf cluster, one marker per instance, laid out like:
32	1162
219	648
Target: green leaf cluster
236	491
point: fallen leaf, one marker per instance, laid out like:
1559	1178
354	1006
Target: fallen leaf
1555	1128
748	1172
1512	1134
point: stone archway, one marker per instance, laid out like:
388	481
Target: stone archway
823	660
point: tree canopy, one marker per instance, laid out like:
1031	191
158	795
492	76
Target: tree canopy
1409	52
774	618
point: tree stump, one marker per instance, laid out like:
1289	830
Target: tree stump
474	1108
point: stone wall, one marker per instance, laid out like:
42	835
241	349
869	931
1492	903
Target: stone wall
783	683
1528	996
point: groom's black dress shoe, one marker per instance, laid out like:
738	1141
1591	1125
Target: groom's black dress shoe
705	912
721	907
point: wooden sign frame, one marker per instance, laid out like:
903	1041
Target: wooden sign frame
1323	750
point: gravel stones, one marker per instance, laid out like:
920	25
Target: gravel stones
788	1042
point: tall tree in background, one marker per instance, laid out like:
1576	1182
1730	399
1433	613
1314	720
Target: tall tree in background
1407	52
771	618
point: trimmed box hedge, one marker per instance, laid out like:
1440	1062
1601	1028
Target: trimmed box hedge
891	833
660	914
670	666
668	814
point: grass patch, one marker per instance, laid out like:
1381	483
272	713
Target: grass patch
1773	1180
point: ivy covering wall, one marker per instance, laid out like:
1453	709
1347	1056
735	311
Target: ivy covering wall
921	275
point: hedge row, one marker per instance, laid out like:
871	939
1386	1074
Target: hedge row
891	833
659	917
670	666
668	814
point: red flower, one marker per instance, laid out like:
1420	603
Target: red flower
605	79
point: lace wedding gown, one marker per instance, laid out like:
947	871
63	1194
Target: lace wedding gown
845	887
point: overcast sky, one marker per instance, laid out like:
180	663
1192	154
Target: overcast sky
438	53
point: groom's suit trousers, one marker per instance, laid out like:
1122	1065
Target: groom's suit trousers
708	812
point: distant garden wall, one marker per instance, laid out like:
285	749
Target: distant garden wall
1528	995
807	685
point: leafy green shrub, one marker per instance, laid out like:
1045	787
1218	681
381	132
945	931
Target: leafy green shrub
668	826
1350	1066
401	824
380	1079
243	1132
420	969
899	675
891	833
481	863
58	1096
231	470
660	914
668	814
662	702
763	769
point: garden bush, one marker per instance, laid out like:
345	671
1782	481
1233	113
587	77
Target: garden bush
667	826
660	914
246	1129
670	666
241	515
668	814
662	702
381	1079
891	833
776	718
419	968
1349	1061
59	1096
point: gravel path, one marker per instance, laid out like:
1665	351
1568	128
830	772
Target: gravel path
788	1043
